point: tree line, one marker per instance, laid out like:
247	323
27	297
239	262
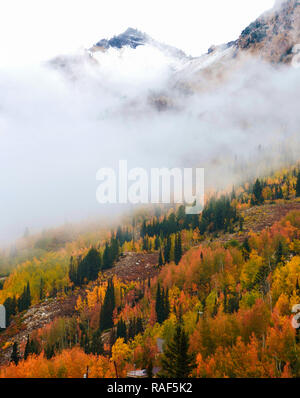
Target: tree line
85	269
14	305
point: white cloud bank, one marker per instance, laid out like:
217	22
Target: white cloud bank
55	133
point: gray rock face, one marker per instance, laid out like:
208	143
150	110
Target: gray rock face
273	35
131	37
134	38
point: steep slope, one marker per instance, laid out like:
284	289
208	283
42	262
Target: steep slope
275	35
116	50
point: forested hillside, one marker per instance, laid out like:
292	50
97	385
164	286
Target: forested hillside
213	291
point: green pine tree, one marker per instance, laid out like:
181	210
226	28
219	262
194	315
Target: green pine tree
106	314
298	185
166	305
167	250
149	369
246	249
15	356
107	257
178	248
159	305
72	271
97	346
93	264
121	330
27	348
28	296
49	351
139	326
42	287
257	193
279	253
160	259
156	243
176	361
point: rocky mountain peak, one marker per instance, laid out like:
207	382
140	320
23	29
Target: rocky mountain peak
131	37
274	35
134	38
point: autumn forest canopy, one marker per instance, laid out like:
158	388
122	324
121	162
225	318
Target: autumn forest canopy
217	303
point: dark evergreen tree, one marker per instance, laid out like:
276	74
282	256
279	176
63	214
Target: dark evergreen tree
123	235
111	253
92	262
89	267
279	253
162	304
298	185
15	356
32	347
178	248
233	195
86	269
257	193
73	272
11	306
131	329
121	330
218	214
160	259
246	249
86	344
139	326
54	290
115	250
167	250
176	360
241	220
159	305
146	243
27	348
106	314
156	243
49	351
21	301
143	229
24	301
112	337
149	369
172	224
233	304
42	287
28	296
97	346
166	305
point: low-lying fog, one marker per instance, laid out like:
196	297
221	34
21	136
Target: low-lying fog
57	128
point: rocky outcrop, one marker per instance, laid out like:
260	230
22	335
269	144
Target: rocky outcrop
134	38
273	36
131	37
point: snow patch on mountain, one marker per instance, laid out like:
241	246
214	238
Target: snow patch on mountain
134	38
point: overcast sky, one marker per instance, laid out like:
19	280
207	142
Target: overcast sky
34	30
